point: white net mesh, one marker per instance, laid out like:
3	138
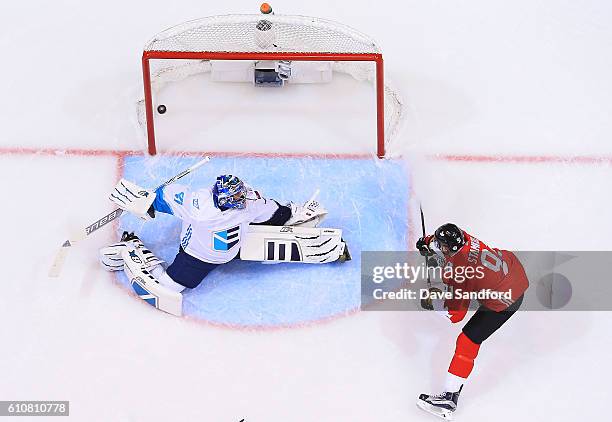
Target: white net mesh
394	107
260	33
277	34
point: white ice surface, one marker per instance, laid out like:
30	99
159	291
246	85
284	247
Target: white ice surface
480	77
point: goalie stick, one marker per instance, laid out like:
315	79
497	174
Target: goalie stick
60	257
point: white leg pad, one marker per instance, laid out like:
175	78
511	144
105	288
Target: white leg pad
147	287
292	244
162	276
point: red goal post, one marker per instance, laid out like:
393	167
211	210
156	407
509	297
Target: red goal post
266	37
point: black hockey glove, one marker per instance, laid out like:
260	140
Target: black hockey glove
423	247
426	303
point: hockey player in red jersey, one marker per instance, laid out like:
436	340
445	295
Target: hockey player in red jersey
500	281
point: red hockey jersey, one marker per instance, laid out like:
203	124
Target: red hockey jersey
496	274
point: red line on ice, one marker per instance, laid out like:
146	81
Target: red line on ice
124	153
524	159
515	159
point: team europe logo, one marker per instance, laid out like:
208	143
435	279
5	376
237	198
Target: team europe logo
224	240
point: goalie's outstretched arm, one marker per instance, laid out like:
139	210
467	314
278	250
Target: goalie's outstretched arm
280	214
177	200
274	214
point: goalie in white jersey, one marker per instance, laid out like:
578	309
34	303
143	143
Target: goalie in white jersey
213	219
216	223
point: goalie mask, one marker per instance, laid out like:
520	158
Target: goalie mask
229	192
449	239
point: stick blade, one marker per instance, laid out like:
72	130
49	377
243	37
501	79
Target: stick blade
58	262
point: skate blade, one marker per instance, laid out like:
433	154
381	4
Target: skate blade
447	415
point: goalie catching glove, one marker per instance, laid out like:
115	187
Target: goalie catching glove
134	199
308	215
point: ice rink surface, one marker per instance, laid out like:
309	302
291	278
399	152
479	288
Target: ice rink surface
507	133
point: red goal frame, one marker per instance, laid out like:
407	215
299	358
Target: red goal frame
297	56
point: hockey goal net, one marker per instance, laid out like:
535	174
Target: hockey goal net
266	49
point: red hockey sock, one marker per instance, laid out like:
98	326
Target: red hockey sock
463	361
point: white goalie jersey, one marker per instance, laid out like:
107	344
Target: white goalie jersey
208	233
217	236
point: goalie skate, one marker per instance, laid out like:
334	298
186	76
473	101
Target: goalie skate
110	256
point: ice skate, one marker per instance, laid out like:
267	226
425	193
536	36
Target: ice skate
442	405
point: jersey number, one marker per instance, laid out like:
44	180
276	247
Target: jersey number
493	262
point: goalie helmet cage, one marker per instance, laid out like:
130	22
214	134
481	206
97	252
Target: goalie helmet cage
188	49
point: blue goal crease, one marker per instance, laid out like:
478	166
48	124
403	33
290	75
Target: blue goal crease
367	199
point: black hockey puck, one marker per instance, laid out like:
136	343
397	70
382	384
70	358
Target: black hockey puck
161	109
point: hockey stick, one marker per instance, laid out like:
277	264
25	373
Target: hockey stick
424	301
60	257
426	264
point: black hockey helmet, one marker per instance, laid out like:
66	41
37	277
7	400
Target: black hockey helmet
450	238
